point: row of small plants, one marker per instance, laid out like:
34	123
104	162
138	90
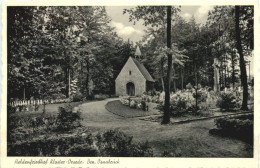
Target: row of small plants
135	103
77	97
239	127
111	143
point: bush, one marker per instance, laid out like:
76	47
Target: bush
50	146
67	119
144	106
138	103
201	95
117	144
227	102
100	96
110	143
179	104
240	127
82	150
132	104
77	97
11	109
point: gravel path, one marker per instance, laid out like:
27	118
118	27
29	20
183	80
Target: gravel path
165	137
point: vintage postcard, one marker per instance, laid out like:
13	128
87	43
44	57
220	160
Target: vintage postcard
130	84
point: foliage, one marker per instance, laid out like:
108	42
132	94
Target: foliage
154	16
201	95
110	143
183	102
100	96
47	146
82	150
136	103
77	97
67	119
117	144
57	47
228	101
78	43
116	107
239	126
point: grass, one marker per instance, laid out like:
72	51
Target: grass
192	146
180	140
116	107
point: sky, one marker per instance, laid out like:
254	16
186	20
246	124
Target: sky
127	30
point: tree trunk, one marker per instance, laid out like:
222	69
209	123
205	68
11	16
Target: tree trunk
225	72
181	79
66	83
196	83
221	75
69	91
81	76
241	60
174	82
233	70
87	81
166	116
162	74
24	93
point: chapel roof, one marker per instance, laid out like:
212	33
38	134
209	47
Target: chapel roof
143	70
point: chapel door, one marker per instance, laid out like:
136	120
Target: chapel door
130	89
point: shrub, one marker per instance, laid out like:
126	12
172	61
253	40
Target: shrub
110	143
132	104
11	109
184	102
82	150
100	96
201	95
115	143
50	146
227	102
239	126
125	101
144	106
77	97
67	119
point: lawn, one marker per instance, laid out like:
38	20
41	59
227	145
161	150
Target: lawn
116	107
190	139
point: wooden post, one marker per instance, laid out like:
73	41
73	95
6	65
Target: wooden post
24	93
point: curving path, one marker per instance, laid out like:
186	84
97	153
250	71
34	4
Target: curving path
165	137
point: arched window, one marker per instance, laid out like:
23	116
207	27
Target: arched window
130	72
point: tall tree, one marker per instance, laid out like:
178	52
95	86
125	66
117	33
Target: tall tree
241	59
166	116
158	17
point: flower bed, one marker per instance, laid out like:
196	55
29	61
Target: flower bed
116	107
136	103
